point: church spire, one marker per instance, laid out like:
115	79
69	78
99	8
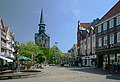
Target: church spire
42	18
42	24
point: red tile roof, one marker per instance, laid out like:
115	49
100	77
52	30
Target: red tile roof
113	11
84	25
5	29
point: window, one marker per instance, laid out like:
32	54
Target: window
93	40
104	26
118	37
84	45
93	50
112	58
99	28
100	42
118	58
111	23
88	44
112	39
105	40
118	20
105	58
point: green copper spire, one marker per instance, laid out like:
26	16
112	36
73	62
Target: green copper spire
42	18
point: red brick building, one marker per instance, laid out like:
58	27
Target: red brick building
81	27
108	37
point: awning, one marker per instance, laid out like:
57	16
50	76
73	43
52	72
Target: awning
7	59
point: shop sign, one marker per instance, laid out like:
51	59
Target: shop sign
117	45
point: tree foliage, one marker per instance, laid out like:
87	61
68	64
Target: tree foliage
56	54
32	50
40	58
28	49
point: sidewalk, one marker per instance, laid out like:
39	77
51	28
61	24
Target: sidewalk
95	70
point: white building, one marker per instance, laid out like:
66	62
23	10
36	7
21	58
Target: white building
6	44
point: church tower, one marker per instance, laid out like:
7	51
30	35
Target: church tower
42	24
41	38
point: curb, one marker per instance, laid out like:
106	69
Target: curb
113	77
18	76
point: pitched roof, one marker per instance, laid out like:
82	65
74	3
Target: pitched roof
5	29
84	25
113	11
92	24
1	23
88	28
11	34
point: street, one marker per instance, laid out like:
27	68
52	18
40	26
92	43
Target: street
64	74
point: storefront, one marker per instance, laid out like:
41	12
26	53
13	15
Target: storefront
89	60
108	54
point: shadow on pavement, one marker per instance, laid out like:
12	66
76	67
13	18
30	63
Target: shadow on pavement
100	71
92	70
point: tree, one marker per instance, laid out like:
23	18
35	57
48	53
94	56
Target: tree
29	49
40	58
57	54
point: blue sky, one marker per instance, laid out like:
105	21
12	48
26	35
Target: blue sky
61	18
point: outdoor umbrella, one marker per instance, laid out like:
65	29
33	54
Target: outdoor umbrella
24	58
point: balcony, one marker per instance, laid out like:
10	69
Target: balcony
3	37
3	44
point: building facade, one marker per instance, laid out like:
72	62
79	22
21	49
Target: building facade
41	38
88	45
108	37
6	44
80	29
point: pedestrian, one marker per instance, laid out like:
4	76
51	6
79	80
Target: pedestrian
115	66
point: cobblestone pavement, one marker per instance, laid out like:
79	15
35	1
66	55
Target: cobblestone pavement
62	74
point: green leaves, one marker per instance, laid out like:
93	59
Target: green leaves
28	49
33	51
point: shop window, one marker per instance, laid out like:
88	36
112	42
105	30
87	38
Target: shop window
118	58
106	59
112	58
